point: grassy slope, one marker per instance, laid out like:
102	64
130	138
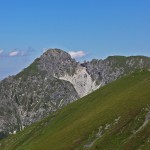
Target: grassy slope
77	124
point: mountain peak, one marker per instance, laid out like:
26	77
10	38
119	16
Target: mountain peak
56	61
56	53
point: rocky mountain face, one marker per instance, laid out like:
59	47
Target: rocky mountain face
53	81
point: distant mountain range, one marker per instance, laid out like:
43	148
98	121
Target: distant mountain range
55	80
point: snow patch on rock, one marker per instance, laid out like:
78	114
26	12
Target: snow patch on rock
81	81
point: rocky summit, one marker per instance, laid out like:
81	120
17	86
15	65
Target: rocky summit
53	81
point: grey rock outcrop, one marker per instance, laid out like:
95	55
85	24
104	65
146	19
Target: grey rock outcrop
53	81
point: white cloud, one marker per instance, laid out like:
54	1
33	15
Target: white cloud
14	53
1	51
44	50
77	54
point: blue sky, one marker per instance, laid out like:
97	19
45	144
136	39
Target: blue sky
97	28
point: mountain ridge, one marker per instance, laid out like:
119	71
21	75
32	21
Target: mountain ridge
54	80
